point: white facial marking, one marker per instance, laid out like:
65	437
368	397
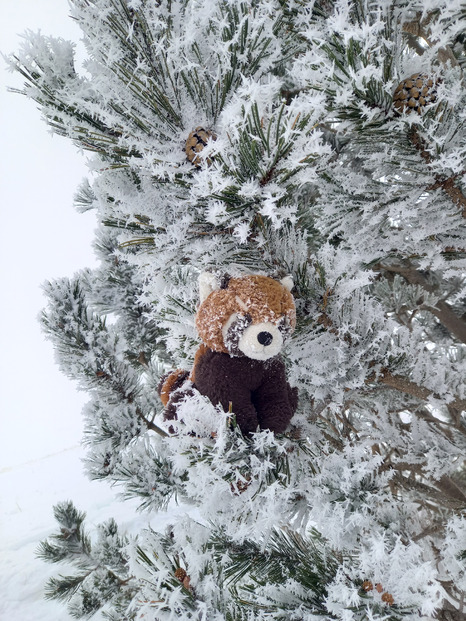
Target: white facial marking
261	341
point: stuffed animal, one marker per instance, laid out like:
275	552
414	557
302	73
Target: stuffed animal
243	323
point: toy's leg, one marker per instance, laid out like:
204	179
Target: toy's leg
293	397
275	400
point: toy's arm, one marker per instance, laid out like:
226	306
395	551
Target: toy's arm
275	400
245	412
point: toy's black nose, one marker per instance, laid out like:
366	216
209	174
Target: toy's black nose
264	338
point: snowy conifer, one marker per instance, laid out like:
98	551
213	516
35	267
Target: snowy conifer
303	165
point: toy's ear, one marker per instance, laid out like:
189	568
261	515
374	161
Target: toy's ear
287	282
208	282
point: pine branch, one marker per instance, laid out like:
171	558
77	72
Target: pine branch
447	184
420	28
420	392
102	575
71	541
444	313
119	389
398	382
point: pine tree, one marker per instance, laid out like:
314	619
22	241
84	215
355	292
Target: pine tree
307	166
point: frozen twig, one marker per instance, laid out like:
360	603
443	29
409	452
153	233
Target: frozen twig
444	313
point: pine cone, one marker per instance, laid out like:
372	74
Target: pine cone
414	93
388	599
196	141
240	486
367	585
180	574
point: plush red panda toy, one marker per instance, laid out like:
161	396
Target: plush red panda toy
243	323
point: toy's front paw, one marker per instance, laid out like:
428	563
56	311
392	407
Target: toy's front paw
247	421
171	409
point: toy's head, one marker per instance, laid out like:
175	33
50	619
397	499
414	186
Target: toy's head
247	316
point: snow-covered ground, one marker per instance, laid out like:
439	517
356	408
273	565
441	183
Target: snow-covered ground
39	409
28	493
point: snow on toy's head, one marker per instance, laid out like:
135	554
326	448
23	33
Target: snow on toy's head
247	316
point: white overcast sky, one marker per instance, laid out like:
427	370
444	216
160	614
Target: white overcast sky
42	237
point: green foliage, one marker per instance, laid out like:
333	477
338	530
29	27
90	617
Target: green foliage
70	540
286	556
101	568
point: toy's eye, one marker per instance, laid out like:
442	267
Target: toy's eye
224	281
284	326
233	331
